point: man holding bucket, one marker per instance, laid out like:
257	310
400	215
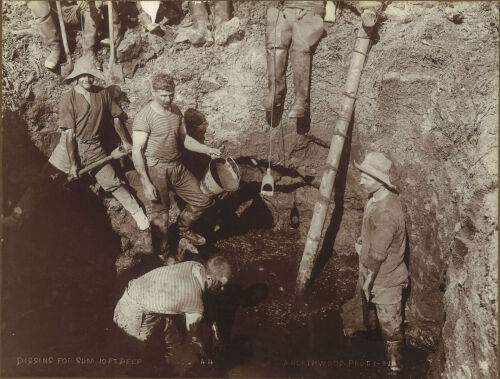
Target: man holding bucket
159	135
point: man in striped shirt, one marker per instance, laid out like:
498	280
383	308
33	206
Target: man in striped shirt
159	136
168	291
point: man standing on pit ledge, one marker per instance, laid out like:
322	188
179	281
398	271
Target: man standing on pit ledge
159	136
82	114
382	271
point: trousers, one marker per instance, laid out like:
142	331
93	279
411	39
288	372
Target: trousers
45	14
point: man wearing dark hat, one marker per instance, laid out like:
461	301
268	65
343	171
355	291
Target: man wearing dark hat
166	292
82	114
159	137
382	271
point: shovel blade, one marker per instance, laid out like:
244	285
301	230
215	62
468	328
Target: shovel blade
115	74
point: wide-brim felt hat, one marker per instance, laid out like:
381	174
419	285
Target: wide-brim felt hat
85	65
377	166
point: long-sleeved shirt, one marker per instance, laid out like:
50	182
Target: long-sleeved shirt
384	240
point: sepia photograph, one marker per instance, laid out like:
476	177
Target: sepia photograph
249	189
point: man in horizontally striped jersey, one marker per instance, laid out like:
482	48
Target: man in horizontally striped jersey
159	136
168	291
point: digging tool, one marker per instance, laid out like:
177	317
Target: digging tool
115	70
314	236
115	154
66	68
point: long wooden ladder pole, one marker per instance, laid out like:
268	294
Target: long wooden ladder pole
314	235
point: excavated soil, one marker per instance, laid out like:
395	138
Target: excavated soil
428	98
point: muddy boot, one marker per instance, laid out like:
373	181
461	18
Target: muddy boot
193	237
394	355
200	34
185	245
49	34
189	215
276	80
301	66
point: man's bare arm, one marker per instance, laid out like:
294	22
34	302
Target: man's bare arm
70	139
120	130
191	144
139	140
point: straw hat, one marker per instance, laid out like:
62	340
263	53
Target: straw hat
377	166
85	65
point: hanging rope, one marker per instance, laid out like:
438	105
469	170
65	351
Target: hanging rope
274	91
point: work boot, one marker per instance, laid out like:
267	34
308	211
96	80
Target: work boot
192	237
49	34
201	35
276	80
222	10
301	66
189	215
185	245
394	354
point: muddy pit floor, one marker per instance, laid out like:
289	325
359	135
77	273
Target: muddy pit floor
59	295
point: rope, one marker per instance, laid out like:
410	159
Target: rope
274	92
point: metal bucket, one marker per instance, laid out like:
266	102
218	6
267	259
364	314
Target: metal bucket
223	175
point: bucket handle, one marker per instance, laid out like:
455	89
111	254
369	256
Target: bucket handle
237	168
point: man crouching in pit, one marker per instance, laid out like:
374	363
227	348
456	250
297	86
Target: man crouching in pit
159	136
167	293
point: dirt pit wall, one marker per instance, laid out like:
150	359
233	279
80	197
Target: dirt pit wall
428	98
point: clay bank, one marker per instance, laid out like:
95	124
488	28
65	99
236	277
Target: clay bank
427	99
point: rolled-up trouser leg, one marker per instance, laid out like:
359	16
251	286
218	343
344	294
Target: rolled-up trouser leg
222	10
307	31
43	18
278	39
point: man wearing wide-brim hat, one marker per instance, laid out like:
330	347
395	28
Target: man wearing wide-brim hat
83	112
382	271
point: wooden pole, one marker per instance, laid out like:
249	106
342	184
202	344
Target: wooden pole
314	235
